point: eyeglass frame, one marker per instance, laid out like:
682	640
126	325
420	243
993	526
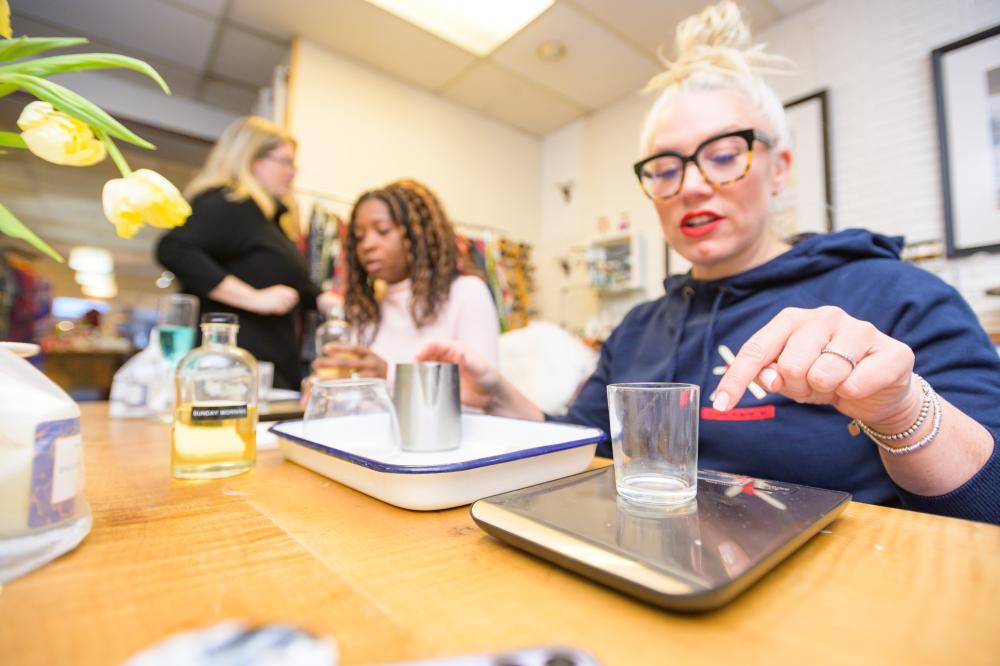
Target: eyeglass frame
283	161
749	135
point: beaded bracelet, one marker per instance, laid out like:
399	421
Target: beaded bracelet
930	400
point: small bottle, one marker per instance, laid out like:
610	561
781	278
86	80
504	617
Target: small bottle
215	418
334	329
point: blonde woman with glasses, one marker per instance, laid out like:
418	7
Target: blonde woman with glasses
829	363
235	253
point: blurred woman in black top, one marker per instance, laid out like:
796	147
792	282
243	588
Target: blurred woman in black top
234	253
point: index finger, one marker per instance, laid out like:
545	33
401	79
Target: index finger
446	351
758	352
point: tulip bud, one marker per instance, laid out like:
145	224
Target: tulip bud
59	138
143	197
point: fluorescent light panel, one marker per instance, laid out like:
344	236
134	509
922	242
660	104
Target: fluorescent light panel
478	26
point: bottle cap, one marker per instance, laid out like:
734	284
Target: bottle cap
336	310
220	318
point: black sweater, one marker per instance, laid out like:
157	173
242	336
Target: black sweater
224	237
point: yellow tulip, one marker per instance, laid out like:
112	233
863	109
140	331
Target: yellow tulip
5	30
143	197
59	138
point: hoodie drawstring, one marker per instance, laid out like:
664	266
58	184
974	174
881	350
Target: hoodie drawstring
677	331
706	349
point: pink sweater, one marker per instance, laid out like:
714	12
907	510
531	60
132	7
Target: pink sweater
469	317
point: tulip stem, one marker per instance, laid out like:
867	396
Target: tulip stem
116	155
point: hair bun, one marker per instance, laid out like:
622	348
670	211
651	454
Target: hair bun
717	41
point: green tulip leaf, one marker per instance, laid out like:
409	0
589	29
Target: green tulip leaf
43	67
75	105
22	47
6	89
14	228
11	140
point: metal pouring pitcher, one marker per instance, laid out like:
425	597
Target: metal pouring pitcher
428	406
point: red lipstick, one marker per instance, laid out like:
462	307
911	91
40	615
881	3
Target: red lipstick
700	222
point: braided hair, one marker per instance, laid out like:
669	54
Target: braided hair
429	240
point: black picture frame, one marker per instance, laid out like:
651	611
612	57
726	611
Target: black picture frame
969	140
805	205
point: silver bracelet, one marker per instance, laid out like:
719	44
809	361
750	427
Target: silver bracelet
931	399
923	441
858	425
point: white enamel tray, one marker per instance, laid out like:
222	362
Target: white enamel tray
497	454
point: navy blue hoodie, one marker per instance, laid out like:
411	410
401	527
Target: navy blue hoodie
678	337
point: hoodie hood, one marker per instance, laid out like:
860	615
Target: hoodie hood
811	255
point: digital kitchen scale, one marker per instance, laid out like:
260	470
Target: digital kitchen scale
691	557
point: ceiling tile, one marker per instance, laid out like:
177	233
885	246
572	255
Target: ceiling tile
280	20
183	81
650	24
212	8
645	23
148	26
363	32
246	57
598	68
510	98
759	13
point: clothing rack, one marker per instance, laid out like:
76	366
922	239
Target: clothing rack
460	226
25	296
335	197
505	266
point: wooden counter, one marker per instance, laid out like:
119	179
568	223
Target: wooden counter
283	544
83	373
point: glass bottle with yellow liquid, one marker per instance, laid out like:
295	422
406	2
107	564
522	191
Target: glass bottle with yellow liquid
215	418
334	329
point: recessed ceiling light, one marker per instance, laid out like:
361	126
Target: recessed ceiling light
91	259
551	51
478	26
100	291
97	280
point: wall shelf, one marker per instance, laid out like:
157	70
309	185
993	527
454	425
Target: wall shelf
614	263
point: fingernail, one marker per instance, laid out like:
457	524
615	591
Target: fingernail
721	401
768	375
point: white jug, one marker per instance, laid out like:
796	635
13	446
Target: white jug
43	512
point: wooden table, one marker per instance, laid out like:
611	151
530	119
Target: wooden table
285	544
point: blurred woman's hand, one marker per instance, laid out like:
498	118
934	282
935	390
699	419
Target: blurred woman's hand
480	381
351	360
326	300
274	300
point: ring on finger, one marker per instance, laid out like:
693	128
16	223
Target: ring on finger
843	355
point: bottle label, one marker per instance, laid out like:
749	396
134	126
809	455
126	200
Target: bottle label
218	413
56	472
125	392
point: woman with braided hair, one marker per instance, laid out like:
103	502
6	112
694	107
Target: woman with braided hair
399	234
799	349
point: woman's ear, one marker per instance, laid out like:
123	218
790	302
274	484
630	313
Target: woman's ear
780	170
